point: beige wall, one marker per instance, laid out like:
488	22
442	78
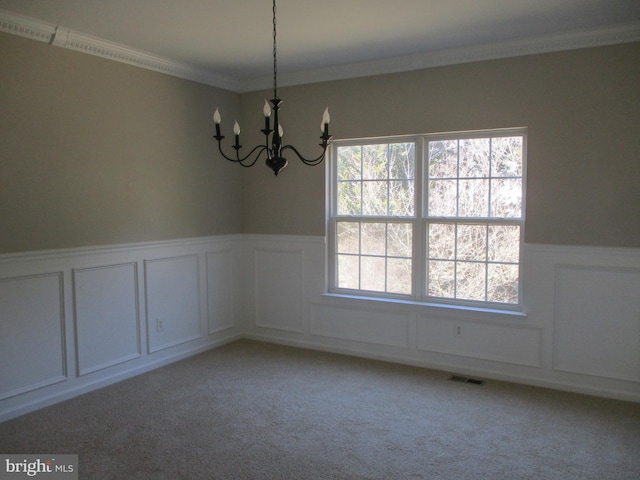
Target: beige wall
95	152
582	109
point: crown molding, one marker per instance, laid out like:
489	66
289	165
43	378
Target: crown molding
120	53
80	42
26	27
530	46
61	37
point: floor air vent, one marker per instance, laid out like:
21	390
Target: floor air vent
460	379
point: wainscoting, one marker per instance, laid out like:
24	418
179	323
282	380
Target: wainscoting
579	329
78	319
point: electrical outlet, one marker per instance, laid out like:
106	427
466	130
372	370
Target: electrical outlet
457	331
159	325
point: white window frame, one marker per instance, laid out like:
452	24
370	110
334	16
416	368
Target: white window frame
419	221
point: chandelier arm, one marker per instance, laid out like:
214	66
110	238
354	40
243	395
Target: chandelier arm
307	161
275	160
241	161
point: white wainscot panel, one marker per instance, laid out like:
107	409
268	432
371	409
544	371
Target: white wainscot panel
220	295
32	348
360	324
107	320
597	321
278	289
515	344
173	301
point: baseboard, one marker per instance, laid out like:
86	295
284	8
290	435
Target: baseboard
572	387
103	382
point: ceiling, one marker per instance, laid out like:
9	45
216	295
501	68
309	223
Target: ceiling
233	38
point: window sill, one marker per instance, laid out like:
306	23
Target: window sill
442	307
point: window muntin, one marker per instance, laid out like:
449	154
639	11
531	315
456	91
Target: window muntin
375	256
376	180
453	236
475	177
474	205
375	189
476	262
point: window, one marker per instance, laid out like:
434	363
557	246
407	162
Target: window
429	218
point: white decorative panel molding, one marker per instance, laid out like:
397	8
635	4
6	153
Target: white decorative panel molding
220	296
58	342
106	312
364	325
173	301
278	288
597	321
580	329
32	348
504	343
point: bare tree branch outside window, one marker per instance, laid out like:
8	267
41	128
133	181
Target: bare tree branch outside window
471	223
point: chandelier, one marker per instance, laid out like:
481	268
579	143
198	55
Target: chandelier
275	149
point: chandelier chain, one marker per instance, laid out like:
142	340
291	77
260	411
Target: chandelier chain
275	52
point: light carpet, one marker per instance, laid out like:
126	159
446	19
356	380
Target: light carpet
251	410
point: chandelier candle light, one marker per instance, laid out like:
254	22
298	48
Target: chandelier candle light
275	150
